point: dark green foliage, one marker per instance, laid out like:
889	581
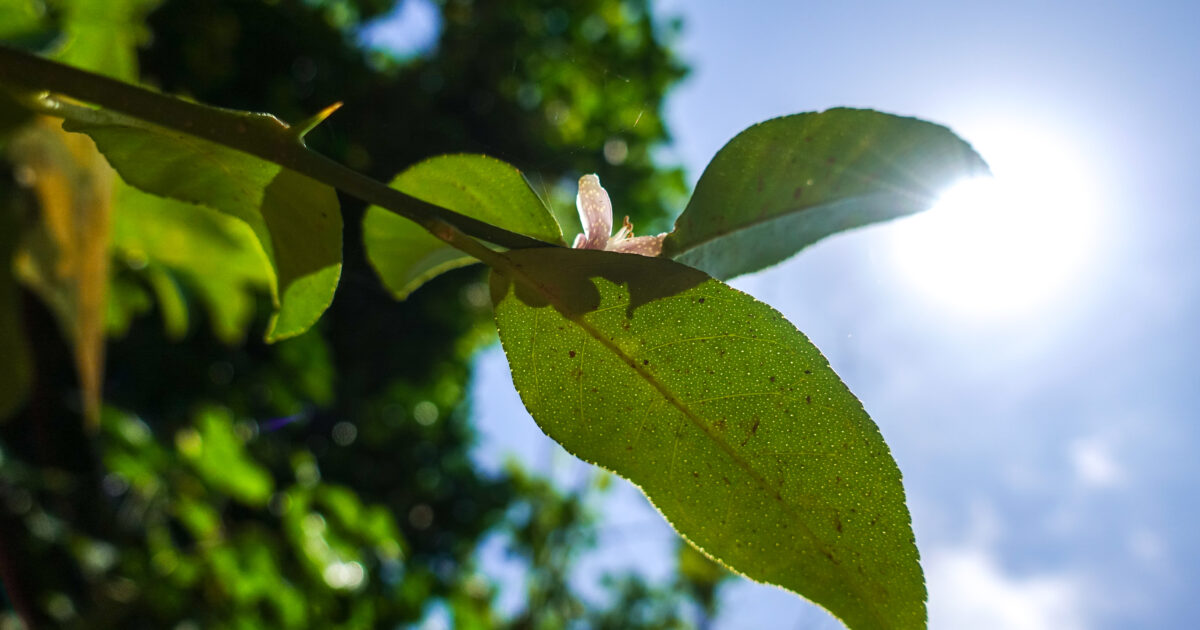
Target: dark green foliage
213	465
536	83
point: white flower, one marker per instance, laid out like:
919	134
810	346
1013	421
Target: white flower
595	213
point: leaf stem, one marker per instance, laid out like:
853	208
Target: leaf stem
455	238
260	135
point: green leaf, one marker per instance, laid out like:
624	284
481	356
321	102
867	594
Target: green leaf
171	303
186	239
786	183
295	219
102	36
219	456
726	416
19	19
406	256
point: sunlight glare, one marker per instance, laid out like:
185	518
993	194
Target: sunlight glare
1008	244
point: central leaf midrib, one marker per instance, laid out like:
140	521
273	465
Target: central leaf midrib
778	216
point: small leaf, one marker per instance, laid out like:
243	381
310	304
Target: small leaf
295	219
219	456
726	416
478	186
786	183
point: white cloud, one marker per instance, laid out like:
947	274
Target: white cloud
1094	464
969	589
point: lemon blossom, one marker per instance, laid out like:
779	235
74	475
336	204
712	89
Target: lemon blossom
595	213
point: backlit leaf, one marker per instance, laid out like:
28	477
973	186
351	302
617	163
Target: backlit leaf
786	183
295	219
186	239
21	19
726	416
102	36
406	256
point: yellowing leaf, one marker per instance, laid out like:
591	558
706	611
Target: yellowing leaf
295	219
65	257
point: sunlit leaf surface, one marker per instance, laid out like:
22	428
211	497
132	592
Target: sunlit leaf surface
406	256
295	219
726	416
786	183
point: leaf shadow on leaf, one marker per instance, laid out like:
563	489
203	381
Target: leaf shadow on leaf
563	277
301	259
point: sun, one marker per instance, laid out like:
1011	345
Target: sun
1013	243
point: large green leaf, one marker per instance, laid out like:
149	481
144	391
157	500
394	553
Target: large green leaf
786	183
295	219
406	256
726	416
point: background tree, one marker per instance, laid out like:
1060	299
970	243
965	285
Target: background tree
324	480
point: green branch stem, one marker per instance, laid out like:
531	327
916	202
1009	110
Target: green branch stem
260	135
455	238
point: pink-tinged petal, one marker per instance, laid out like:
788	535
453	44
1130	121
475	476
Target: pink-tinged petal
595	212
579	241
644	245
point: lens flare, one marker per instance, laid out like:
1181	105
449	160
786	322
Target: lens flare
1010	244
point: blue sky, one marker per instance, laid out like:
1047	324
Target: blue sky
1046	425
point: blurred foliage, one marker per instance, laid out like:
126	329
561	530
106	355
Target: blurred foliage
324	481
556	90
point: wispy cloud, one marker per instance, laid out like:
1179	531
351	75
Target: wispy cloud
970	589
1094	464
